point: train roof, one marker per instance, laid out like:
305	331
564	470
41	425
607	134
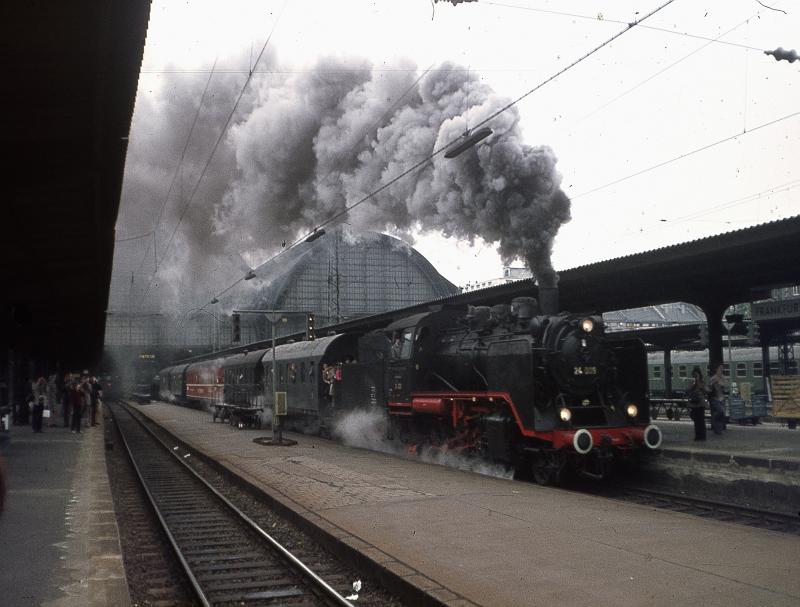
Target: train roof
305	349
174	369
244	358
408	321
213	363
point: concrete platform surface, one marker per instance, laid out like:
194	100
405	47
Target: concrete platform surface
59	544
765	442
475	539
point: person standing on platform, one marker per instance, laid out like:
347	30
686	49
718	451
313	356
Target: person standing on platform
86	390
76	405
37	414
697	403
717	396
66	399
39	389
52	399
24	410
94	385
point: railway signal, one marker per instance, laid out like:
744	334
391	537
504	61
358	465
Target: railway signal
310	327
237	328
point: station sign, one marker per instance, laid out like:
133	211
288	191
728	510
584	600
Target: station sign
776	309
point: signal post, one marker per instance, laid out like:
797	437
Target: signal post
279	404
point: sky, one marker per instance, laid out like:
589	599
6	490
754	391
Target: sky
679	128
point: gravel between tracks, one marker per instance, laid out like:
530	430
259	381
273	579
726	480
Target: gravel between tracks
155	577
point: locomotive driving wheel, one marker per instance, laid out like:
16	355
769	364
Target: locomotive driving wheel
547	467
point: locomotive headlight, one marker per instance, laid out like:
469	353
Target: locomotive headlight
565	414
632	410
587	324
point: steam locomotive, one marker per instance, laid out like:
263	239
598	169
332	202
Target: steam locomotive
546	393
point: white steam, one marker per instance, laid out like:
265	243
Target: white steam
368	429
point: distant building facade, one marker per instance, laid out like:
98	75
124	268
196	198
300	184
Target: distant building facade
664	315
510	274
339	276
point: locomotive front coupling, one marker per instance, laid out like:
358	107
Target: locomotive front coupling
584	440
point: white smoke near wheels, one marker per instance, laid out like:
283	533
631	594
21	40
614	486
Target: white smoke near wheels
368	429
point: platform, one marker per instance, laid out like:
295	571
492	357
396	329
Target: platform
59	544
479	540
766	445
756	466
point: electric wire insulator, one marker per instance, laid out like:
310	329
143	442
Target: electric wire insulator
781	53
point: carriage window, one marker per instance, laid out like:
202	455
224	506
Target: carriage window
310	371
726	370
657	372
741	369
758	369
682	371
292	373
281	373
302	372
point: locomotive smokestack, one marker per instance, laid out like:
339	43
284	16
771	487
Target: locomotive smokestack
548	300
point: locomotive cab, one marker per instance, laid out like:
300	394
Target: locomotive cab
412	345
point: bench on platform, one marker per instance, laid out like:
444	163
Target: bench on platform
672	408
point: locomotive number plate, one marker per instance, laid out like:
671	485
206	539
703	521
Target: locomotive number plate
585	371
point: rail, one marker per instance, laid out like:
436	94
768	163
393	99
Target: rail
703	507
227	557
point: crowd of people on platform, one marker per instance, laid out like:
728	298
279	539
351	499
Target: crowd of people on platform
75	400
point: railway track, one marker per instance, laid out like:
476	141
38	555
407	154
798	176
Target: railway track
697	506
227	557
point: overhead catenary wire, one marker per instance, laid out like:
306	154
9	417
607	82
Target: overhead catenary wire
445	146
175	173
662	70
130	238
599	18
728	204
686	155
214	150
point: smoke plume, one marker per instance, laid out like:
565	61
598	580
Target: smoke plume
304	146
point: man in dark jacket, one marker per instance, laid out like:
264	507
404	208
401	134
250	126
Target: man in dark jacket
96	393
76	404
66	399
